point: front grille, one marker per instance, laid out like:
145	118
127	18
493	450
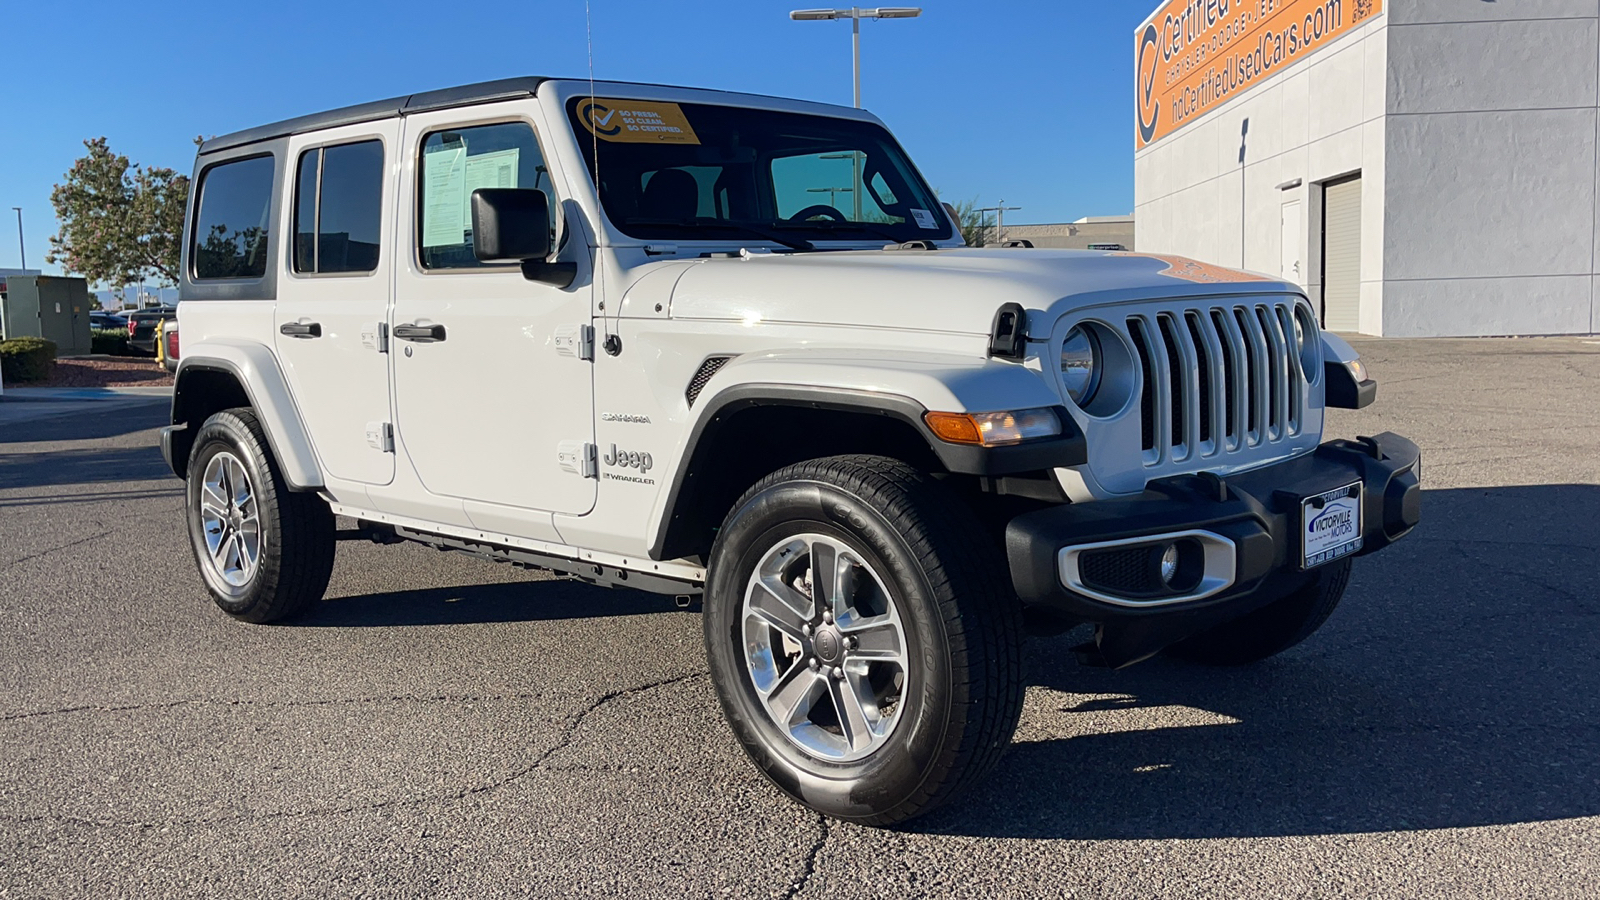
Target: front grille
1217	379
1123	571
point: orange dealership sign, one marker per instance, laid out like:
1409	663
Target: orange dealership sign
1192	56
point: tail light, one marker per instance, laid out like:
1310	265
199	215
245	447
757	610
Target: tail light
132	326
172	344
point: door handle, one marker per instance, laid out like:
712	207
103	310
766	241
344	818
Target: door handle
422	334
302	329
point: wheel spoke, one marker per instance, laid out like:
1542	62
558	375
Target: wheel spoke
877	639
249	545
214	535
824	568
213	498
239	485
852	717
794	694
842	590
224	554
780	606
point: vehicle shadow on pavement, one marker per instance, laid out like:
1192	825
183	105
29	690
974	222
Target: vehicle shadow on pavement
91	421
522	601
84	466
1458	685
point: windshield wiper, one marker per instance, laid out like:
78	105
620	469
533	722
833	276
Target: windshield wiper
829	225
793	243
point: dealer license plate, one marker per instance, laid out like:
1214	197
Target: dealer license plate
1330	525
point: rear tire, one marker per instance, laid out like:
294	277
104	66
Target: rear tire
917	634
265	552
1271	629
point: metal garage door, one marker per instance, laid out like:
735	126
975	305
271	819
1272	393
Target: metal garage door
1341	254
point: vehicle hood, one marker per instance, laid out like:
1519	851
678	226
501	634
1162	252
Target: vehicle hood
947	290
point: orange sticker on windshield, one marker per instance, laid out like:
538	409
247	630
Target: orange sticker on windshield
1196	271
636	121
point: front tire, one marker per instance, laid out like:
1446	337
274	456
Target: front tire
863	637
1271	629
264	552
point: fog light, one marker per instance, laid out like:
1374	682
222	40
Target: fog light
1169	564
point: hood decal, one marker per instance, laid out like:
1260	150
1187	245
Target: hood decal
1186	269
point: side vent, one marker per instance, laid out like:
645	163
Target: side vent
710	367
1008	337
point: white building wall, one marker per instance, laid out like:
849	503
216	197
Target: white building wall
1492	182
1476	126
1315	121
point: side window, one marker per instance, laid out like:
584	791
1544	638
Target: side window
231	222
338	208
459	161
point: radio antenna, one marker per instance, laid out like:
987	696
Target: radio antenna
613	341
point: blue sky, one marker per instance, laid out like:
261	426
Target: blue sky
1023	100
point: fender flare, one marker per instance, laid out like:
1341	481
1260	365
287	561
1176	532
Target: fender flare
903	389
256	370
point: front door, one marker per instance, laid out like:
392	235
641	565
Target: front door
485	395
1293	268
334	298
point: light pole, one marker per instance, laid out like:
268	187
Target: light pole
855	14
1000	219
855	176
21	247
831	192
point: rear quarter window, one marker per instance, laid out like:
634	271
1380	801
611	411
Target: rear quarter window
230	238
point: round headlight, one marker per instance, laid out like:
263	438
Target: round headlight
1306	339
1080	364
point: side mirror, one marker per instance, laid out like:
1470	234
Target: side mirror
510	225
513	225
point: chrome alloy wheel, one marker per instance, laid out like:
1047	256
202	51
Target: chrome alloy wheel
230	520
825	648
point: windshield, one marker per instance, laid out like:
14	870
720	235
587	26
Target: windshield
690	171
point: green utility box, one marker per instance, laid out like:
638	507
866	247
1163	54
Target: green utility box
48	306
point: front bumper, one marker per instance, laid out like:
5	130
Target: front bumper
1254	517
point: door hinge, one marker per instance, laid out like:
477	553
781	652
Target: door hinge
380	436
376	337
577	457
575	340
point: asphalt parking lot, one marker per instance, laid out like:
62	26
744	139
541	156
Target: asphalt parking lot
444	726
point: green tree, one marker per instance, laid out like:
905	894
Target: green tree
119	222
974	228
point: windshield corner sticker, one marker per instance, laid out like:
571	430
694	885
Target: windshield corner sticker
636	121
924	219
1198	272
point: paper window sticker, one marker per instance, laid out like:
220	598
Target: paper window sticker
444	221
924	219
488	170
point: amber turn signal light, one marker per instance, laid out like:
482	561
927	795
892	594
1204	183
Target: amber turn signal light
993	429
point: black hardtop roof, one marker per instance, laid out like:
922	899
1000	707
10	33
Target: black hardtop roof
445	98
465	95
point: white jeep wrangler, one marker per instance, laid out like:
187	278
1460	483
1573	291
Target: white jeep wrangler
704	343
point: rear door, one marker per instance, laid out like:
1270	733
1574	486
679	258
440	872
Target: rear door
333	301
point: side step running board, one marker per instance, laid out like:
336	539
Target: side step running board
581	570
